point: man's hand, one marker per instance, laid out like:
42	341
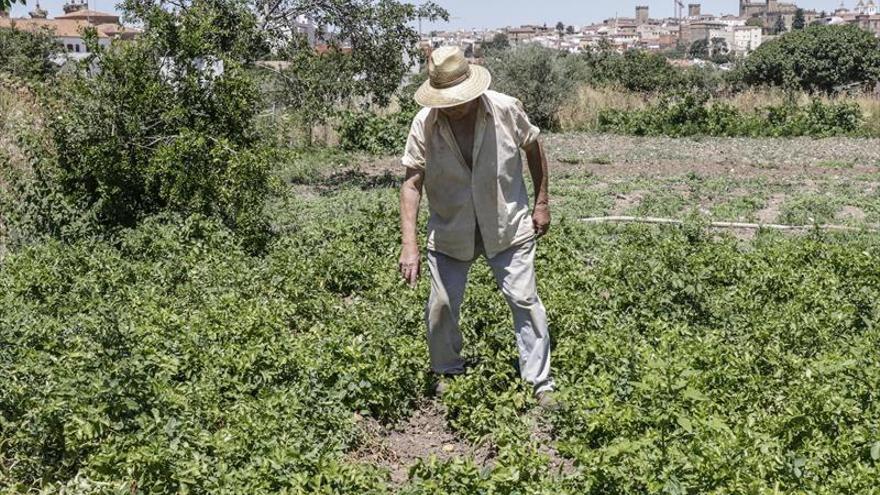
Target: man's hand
541	219
409	264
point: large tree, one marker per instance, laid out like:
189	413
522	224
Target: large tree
360	53
166	124
373	43
5	5
817	58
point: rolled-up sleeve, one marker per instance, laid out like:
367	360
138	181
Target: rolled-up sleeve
414	152
526	132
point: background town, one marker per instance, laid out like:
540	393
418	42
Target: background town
756	23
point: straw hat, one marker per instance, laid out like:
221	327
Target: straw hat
451	79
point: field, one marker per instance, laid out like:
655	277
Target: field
689	360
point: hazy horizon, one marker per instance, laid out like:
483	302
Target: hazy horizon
467	14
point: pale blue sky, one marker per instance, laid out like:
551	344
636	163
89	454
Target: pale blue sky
499	13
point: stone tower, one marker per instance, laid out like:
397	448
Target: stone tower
642	15
38	12
694	10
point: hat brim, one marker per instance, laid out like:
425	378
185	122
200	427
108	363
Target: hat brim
475	85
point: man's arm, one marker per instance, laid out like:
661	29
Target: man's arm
540	177
410	197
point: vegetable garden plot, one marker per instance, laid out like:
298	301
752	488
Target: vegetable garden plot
173	361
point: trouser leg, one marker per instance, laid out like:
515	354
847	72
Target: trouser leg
514	271
448	281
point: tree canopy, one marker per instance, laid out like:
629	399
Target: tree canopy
5	5
779	26
498	42
817	58
799	21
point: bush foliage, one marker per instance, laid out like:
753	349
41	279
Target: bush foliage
164	123
539	77
691	114
634	70
376	134
28	55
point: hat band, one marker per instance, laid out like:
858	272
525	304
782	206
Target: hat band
458	80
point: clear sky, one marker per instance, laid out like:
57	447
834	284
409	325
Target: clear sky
499	13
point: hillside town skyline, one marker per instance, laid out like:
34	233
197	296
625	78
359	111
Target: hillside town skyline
754	23
466	14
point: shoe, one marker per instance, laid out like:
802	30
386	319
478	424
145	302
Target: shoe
547	401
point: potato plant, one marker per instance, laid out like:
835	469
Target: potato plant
172	360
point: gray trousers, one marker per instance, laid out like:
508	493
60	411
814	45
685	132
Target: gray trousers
514	271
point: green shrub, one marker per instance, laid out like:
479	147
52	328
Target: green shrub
691	114
542	78
28	55
635	70
376	134
153	130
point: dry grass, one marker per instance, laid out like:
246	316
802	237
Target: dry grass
751	100
581	112
871	110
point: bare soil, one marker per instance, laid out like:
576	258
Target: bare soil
632	156
425	433
623	202
734	157
851	213
770	212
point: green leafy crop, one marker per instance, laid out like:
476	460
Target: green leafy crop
172	361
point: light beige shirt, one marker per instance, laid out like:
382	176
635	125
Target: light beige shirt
492	195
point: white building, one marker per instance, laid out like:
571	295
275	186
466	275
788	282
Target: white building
68	28
306	27
866	8
746	39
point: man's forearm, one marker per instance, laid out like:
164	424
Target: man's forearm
409	211
410	197
538	169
